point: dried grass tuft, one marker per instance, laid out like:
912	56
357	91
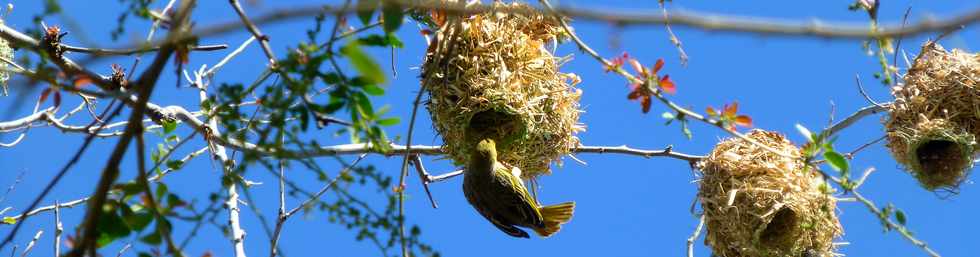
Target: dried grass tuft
494	73
935	119
758	203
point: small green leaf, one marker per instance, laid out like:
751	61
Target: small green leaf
169	126
392	12
388	121
900	217
364	64
374	90
9	220
667	115
836	161
686	130
175	164
161	190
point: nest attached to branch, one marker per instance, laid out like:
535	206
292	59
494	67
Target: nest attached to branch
491	76
758	203
7	53
934	122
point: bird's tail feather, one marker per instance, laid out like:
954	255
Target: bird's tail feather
554	216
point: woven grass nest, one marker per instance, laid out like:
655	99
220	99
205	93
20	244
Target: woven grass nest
6	53
758	203
493	73
934	122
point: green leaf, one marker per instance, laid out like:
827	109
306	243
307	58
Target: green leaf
169	126
131	189
153	238
364	64
667	115
366	8
9	220
900	217
364	105
836	161
138	220
686	130
388	121
373	89
161	190
110	227
392	12
175	164
331	78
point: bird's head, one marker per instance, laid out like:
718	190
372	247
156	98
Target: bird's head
487	149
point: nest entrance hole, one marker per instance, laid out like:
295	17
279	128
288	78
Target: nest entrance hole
781	230
941	160
498	125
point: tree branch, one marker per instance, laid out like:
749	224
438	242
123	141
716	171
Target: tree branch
132	51
698	20
850	120
40	210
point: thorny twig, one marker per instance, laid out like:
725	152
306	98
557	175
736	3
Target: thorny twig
424	178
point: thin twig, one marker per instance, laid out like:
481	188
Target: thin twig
673	38
210	73
281	215
694	236
69	204
902	230
31	244
252	28
124	249
857	80
850	155
424	178
325	187
447	175
58	229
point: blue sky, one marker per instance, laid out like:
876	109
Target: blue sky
626	205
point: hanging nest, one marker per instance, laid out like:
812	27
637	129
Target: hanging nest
758	203
6	53
492	76
935	119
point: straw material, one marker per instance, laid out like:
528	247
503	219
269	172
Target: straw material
758	203
6	53
493	73
935	119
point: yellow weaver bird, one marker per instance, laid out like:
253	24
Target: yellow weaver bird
500	196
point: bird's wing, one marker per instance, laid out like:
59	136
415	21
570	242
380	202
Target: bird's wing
517	205
475	197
